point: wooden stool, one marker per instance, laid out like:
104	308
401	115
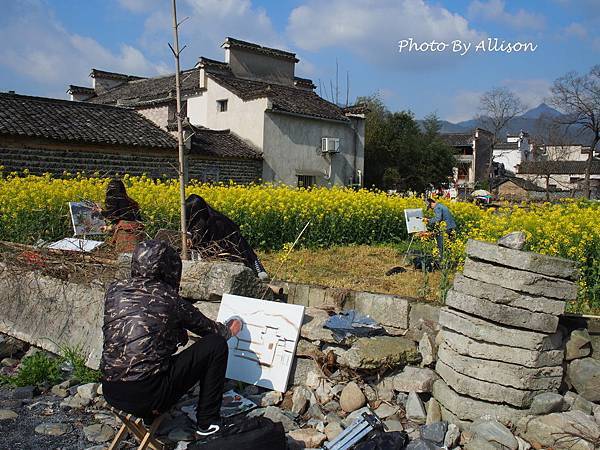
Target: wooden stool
135	426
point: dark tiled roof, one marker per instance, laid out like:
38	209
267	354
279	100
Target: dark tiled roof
521	182
284	98
458	139
558	167
305	83
81	90
96	73
506	146
150	90
359	108
64	120
233	43
221	144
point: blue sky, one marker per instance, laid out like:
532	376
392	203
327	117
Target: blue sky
45	45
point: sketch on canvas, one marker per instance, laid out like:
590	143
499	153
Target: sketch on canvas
263	352
75	245
85	218
414	220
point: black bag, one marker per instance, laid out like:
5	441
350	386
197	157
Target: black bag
249	433
394	440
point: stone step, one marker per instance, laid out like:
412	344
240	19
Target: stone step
521	281
551	266
483	350
504	314
503	296
505	374
489	332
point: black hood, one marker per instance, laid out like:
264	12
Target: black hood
157	260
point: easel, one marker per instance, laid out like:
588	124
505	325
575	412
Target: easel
412	238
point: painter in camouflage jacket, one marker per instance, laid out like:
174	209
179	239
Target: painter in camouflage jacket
145	319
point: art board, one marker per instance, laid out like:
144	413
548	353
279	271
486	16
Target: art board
414	220
86	218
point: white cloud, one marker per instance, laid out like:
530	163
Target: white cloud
577	30
44	51
373	29
494	11
466	104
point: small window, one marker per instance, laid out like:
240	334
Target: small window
221	105
306	181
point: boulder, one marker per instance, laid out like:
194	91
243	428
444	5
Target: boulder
88	391
434	413
378	351
7	414
386	410
415	379
304	371
492	431
434	432
352	398
277	415
571	430
579	345
584	376
308	437
452	436
98	433
9	346
415	410
546	403
53	428
515	240
332	430
388	310
313	326
300	399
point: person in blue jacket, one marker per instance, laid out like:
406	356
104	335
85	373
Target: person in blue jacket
441	214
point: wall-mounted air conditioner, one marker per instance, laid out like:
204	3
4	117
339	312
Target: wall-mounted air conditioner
330	145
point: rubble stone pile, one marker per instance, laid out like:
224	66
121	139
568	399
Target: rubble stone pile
501	345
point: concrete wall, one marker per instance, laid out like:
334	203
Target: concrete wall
292	147
256	66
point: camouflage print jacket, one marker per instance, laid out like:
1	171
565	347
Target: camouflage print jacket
145	319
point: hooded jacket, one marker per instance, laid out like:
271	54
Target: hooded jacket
145	319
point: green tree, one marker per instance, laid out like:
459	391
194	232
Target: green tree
375	138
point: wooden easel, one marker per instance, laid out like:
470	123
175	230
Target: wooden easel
135	426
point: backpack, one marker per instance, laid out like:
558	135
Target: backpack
250	433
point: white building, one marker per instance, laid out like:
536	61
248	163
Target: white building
514	151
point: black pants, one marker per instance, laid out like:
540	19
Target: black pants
205	362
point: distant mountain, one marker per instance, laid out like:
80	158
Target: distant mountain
541	110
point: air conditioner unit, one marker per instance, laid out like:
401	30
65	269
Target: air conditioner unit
330	145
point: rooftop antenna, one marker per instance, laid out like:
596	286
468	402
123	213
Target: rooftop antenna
347	86
337	91
182	163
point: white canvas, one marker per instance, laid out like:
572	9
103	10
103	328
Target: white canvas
86	218
263	352
75	245
414	220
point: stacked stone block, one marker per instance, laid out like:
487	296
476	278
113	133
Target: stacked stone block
501	345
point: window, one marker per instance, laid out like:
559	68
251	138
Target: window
221	105
306	181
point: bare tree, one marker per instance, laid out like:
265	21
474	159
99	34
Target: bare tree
578	96
497	107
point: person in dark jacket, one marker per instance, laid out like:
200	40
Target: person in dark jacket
123	213
208	226
145	320
441	214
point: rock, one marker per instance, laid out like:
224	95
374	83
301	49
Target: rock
332	417
251	390
583	405
304	370
9	362
423	318
352	398
504	314
385	389
509	375
477	349
331	406
258	412
492	431
323	392
503	296
515	240
24	393
415	410
523	445
354	415
393	425
309	437
88	391
546	403
551	266
434	413
315	413
484	390
182	434
7	414
313	326
386	410
579	345
572	430
415	379
434	432
332	430
427	350
420	444
377	351
75	401
271	398
98	433
316	424
485	331
59	391
401	398
277	415
521	281
300	399
480	444
388	310
9	346
53	428
452	436
584	375
369	392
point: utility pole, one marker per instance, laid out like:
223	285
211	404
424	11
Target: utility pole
176	53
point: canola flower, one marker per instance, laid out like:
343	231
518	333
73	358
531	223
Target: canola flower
35	207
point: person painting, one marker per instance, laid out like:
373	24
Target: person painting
123	214
145	320
441	214
208	226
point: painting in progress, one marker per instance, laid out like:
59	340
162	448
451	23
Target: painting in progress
263	352
86	218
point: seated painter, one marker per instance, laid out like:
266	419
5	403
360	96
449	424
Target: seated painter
212	231
145	320
123	214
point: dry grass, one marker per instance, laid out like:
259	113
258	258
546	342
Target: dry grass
359	268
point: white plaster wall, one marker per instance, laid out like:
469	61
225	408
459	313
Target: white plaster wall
510	158
159	115
246	119
565	153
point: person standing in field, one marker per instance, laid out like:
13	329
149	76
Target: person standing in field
441	214
123	215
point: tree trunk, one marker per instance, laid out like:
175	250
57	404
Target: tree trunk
547	188
588	166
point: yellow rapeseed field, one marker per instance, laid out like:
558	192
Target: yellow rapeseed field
35	207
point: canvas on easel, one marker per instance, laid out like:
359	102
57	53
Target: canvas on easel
414	220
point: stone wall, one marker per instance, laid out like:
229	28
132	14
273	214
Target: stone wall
156	165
